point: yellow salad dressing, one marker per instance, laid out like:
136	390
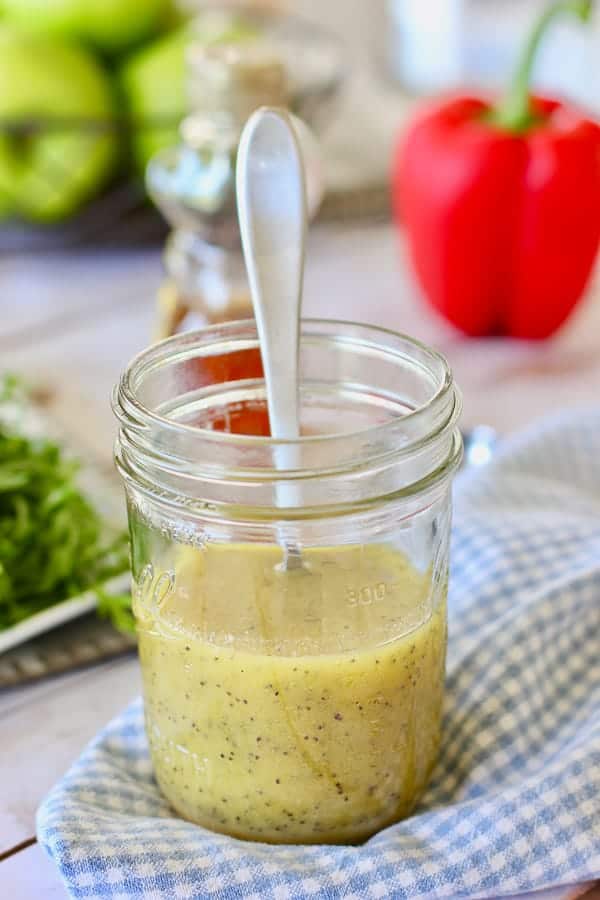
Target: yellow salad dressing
298	706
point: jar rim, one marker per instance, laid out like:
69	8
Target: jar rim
416	447
129	410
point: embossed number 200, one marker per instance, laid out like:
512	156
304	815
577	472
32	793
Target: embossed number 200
152	590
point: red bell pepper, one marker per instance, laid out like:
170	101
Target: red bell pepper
502	204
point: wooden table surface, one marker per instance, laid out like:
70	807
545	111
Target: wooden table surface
72	323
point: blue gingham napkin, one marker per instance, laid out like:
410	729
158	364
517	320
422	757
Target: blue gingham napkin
514	804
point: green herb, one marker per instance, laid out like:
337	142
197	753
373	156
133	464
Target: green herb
117	608
53	543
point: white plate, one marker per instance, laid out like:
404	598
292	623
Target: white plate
58	614
105	494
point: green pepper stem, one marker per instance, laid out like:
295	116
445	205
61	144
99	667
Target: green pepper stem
514	111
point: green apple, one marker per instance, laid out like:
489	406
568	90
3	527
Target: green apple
153	86
47	172
153	79
110	25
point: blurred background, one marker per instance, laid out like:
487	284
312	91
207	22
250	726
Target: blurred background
92	100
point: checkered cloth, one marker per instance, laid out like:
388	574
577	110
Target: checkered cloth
514	804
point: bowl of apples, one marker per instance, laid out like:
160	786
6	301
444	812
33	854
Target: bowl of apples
92	89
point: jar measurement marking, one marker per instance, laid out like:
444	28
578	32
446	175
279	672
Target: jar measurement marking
368	593
153	590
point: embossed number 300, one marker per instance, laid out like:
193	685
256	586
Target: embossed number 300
152	590
364	596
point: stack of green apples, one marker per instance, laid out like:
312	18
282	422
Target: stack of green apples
88	88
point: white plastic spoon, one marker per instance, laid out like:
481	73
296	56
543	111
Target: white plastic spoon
271	197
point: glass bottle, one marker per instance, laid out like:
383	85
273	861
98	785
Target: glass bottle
194	184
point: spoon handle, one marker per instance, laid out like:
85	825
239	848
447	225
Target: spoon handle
271	193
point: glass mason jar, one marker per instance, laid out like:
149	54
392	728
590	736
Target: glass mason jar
292	621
